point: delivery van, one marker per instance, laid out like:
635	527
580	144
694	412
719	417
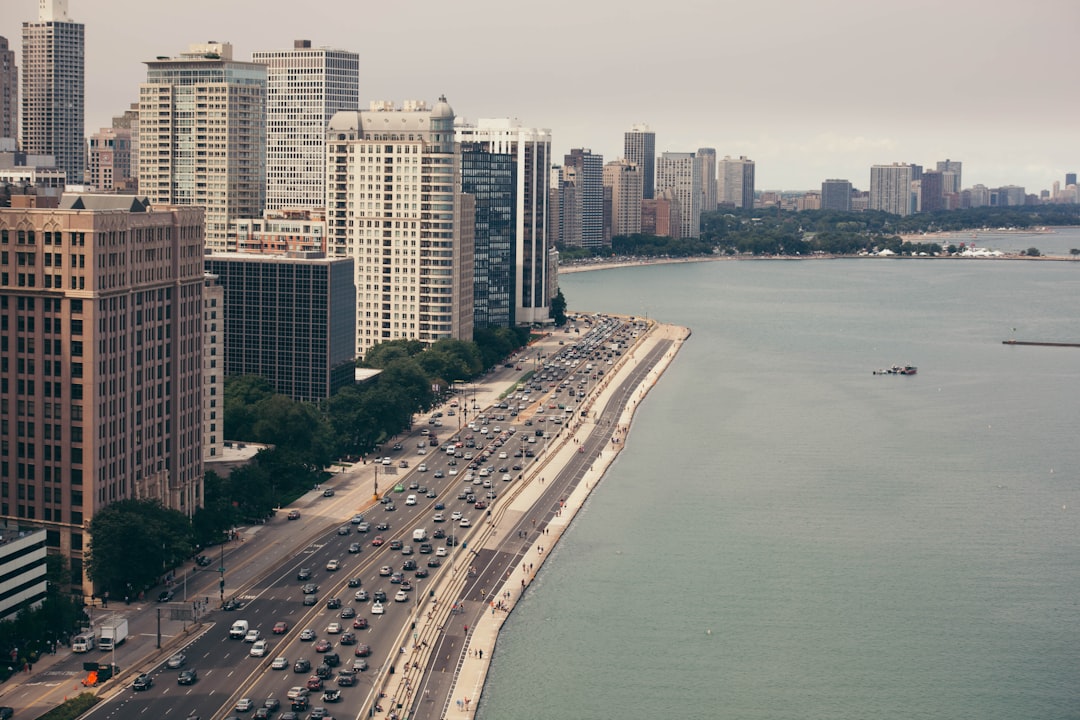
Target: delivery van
238	630
419	535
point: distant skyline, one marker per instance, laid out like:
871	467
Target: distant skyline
808	90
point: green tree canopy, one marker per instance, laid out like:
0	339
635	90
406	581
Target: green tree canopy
133	542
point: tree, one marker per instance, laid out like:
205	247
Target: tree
1074	251
558	308
133	542
1032	252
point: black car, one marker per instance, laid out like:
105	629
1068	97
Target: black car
232	604
142	682
187	677
310	600
202	561
332	659
407	566
347	638
346	679
451	541
439	534
271	703
383	526
333	603
347	613
355	582
304	574
165	596
310	589
324	671
344	530
354	548
301	666
421	573
379	596
433	562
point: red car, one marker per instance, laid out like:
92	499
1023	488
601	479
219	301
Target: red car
280	628
360	623
378	541
314	683
322	646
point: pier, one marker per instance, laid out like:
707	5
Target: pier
1039	344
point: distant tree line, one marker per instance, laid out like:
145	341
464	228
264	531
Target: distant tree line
771	231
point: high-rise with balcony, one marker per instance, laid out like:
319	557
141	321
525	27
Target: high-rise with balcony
53	77
9	91
584	170
530	152
101	328
624	179
639	147
202	135
396	207
305	86
681	174
736	183
890	188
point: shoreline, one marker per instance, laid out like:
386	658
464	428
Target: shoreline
472	676
614	264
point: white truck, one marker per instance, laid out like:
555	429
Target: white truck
112	633
419	535
238	630
83	642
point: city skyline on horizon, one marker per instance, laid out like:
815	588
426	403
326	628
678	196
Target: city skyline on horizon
834	120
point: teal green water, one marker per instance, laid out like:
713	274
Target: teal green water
787	535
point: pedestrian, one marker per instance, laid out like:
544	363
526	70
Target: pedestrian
481	651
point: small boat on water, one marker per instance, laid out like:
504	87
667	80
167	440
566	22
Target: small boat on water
897	370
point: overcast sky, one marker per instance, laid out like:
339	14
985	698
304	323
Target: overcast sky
808	89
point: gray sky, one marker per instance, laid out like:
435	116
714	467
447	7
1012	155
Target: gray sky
809	89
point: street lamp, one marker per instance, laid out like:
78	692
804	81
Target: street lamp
221	569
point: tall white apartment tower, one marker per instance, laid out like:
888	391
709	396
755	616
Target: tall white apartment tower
305	86
395	206
53	82
736	182
890	188
681	173
531	150
202	135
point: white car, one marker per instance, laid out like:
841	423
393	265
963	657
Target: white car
456	515
252	635
422	467
464	522
333	628
377	608
244	704
452	471
280	663
296	691
258	649
503	455
333	565
401	596
411	500
440	552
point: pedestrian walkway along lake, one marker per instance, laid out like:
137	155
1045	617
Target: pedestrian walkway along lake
787	535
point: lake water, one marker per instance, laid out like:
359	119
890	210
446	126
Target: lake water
787	535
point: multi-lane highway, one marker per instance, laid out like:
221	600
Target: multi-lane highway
481	452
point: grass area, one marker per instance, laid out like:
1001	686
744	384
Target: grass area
72	708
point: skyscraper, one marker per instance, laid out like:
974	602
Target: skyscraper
587	170
489	178
932	191
53	88
305	86
890	188
395	205
303	305
737	182
1070	179
681	173
202	126
836	195
639	147
530	150
707	161
952	180
102	362
9	94
624	179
